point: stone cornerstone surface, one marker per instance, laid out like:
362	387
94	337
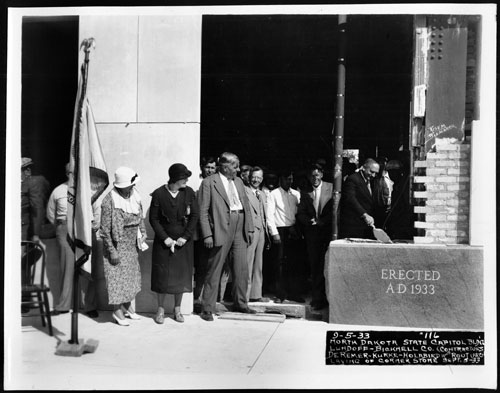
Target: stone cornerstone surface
406	285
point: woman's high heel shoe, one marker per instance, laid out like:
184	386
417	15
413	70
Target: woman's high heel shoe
121	322
177	315
131	315
159	317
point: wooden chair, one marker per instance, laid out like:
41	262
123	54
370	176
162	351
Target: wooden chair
34	292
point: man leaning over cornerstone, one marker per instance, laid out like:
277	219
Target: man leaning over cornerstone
357	204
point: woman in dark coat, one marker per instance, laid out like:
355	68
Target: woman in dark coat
173	215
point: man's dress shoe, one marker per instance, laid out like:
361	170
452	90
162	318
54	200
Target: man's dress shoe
246	310
260	300
207	316
296	298
93	314
319	304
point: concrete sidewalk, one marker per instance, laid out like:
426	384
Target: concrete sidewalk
196	351
196	354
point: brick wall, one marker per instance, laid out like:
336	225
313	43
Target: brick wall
443	206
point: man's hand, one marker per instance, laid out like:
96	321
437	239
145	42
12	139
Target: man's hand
250	237
368	219
276	239
208	242
180	241
114	261
294	233
35	238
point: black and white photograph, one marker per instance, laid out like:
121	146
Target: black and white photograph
251	197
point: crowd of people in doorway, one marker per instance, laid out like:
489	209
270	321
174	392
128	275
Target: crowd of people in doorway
264	233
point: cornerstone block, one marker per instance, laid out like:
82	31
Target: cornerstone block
406	285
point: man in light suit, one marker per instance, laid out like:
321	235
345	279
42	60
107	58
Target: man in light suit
315	215
208	168
226	226
255	250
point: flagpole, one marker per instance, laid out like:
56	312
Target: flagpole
87	182
87	44
338	142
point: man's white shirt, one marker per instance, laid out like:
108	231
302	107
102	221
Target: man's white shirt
281	209
225	182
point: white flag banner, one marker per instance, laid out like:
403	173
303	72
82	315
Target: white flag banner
88	179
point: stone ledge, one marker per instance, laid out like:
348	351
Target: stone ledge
400	245
294	310
287	308
279	318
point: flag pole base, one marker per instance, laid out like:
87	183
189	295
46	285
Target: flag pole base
65	348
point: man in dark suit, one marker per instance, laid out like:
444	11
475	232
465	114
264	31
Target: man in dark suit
400	220
226	226
315	215
357	205
34	195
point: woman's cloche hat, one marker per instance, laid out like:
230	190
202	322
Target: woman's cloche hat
177	172
125	177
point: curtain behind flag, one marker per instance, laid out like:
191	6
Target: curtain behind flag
88	179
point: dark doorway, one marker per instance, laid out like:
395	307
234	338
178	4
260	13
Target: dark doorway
49	86
269	86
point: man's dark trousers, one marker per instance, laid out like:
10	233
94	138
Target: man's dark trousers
287	269
317	240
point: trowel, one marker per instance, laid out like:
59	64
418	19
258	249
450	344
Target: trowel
381	235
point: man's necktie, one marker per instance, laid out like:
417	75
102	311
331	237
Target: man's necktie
316	201
369	186
261	203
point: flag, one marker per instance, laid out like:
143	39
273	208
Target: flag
88	179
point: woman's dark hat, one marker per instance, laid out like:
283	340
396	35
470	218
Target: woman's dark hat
177	172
